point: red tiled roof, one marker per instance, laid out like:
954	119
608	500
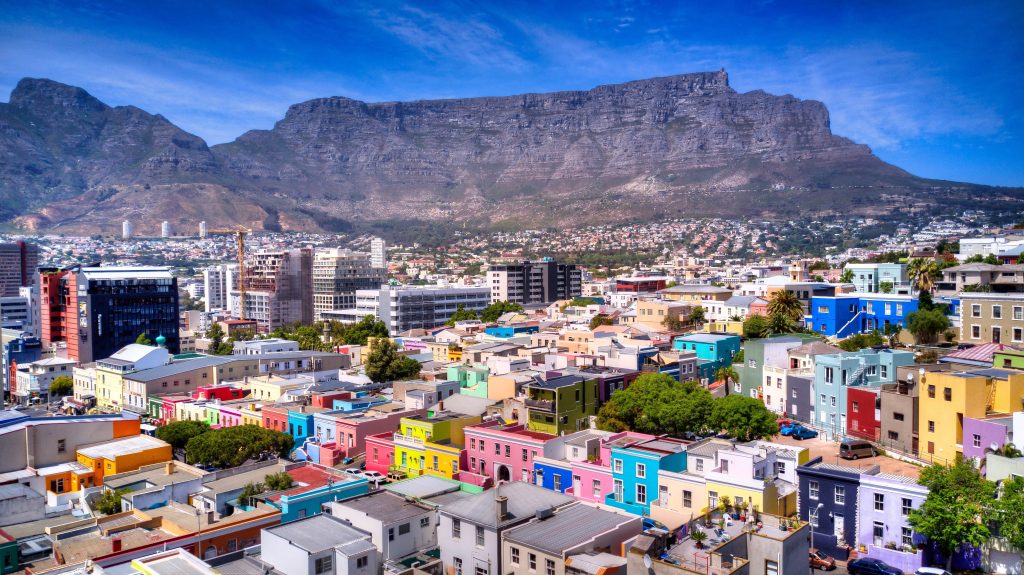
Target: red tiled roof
312	477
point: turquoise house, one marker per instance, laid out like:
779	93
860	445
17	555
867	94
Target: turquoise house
306	500
635	465
472	379
361	403
714	347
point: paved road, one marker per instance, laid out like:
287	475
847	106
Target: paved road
829	452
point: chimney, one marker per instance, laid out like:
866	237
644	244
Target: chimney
502	507
115	544
209	517
169	468
440	406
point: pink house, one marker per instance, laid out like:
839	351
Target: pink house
590	482
496	451
380	452
351	430
589	453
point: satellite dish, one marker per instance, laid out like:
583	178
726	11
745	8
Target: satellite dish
647	561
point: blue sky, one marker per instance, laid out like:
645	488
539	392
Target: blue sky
934	87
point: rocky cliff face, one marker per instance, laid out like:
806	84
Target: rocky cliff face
640	149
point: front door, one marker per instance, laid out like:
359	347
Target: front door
663	495
837	526
997	333
878	533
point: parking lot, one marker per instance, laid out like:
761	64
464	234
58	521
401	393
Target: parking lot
829	452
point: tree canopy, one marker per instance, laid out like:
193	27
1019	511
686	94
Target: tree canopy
143	339
233	446
61	386
324	336
278	481
755	326
927	324
1009	511
697	315
656	403
384	363
178	433
599	320
859	341
786	304
957	509
109	502
461	314
491	313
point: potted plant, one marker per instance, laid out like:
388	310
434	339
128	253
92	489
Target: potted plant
743	505
721	524
699	537
890	545
783	525
724	504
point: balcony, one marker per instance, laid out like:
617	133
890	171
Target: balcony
541	404
408	441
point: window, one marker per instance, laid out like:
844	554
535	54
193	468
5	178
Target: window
323	565
700	464
780	467
894	435
61	446
931	391
829	375
712	499
391	534
596	489
725	466
687	499
479	536
997	312
905	506
458	566
617	465
823	399
840	494
557	480
856	407
362	562
641	470
549	567
976	310
533	562
472	443
931	427
879	502
812	489
947	394
771	567
456	528
524	455
1018	334
975	332
1018	312
976	440
906	536
897	416
514	555
497	449
424	522
641	493
482	445
57	485
885	372
833	401
508	450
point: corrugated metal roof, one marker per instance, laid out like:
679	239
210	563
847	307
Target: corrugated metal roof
569	527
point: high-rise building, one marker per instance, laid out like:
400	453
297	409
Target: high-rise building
127	230
534	282
337	274
19	264
165	229
203	229
218	281
17	313
279	288
378	253
96	311
403	308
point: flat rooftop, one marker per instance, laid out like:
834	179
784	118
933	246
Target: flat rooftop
318	533
568	527
385	506
125	446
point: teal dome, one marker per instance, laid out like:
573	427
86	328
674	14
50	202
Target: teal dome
161	340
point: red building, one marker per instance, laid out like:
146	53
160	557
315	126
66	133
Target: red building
380	452
58	306
275	418
640	284
863	411
221	392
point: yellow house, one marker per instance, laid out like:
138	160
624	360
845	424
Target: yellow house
681	496
733	327
760	473
947	398
109	388
251	414
269	388
652	313
118	456
431	445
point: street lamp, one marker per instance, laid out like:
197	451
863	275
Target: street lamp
814	519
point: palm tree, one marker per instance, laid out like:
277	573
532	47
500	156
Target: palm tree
778	323
786	304
921	272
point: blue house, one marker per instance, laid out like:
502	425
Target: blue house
22	349
717	348
314	485
834	373
357	404
507	331
635	465
828	501
849	314
553	474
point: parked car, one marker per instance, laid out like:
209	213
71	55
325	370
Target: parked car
821	561
783	422
856	448
375	477
788	428
931	571
654	524
868	566
354	471
802	433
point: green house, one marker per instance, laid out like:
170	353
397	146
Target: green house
1008	358
472	379
561	404
757	353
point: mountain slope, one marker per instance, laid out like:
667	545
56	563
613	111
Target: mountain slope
684	144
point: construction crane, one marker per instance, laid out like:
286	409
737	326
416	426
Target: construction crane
239	234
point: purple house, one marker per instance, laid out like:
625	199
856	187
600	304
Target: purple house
885	501
983	435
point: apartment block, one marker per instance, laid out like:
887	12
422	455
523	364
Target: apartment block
19	265
534	282
338	274
403	308
279	288
992	317
218	283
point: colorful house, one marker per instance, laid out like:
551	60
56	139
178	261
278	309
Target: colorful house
764	354
472	379
560	404
432	445
864	412
717	348
828	501
380	452
759	473
836	373
635	465
947	399
884	504
312	486
497	451
117	456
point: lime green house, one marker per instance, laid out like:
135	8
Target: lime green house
432	445
561	404
1008	358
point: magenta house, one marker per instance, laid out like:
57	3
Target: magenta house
496	451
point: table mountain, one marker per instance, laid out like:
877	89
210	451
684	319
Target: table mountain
677	145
